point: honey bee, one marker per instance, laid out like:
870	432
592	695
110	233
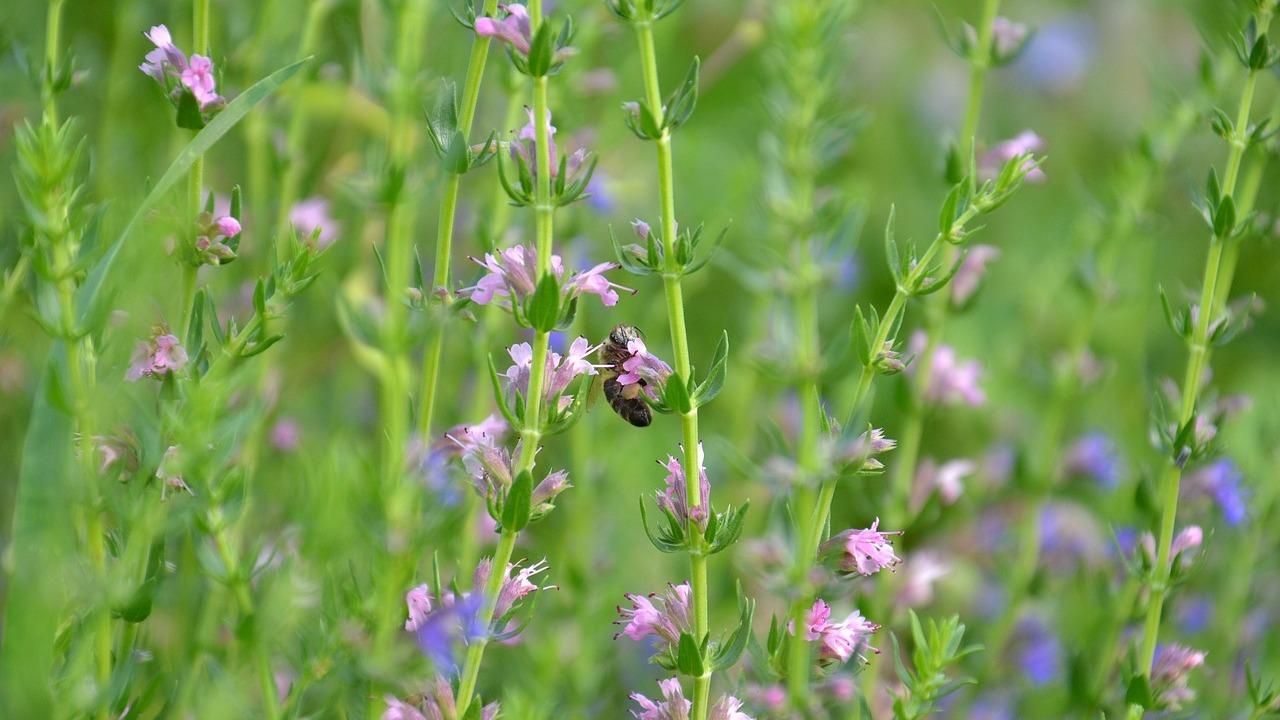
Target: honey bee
624	399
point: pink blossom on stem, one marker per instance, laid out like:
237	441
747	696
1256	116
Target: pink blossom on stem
950	380
663	616
162	356
967	278
513	274
1169	674
514	587
865	552
675	499
993	161
643	369
838	641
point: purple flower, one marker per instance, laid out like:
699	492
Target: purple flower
513	274
675	499
926	568
662	616
285	435
865	552
965	283
166	58
516	29
216	239
1040	654
311	215
1221	481
950	381
993	161
1094	455
162	356
1169	674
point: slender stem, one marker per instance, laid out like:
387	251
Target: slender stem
475	651
1198	359
673	290
531	432
52	46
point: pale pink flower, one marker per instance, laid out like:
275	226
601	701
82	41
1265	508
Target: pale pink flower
644	369
312	214
286	435
675	499
198	78
516	29
1169	674
663	616
512	277
950	380
863	551
994	160
674	706
838	641
419	601
514	586
967	278
162	356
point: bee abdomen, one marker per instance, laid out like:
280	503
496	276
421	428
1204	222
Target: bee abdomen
633	409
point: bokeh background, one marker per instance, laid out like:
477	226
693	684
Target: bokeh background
1094	77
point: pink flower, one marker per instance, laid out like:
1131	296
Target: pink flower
419	601
399	710
950	381
285	435
559	372
514	587
662	616
513	273
516	29
839	641
965	282
993	161
170	473
435	703
863	551
1169	674
1189	539
674	706
675	499
166	58
198	78
644	369
311	215
164	355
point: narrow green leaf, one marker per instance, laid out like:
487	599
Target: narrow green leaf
711	387
515	511
43	545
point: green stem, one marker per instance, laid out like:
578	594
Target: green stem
1170	480
475	651
52	41
444	233
673	290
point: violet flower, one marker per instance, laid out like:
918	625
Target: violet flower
664	616
516	29
675	499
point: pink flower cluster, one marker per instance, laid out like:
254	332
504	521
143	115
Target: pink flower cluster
838	641
513	275
865	552
675	499
663	616
162	356
560	371
170	67
644	369
674	706
951	380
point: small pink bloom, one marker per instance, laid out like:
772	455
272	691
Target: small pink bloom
838	641
863	551
285	435
663	616
312	214
198	78
419	601
164	355
993	161
675	499
950	380
965	283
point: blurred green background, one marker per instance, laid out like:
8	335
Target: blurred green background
1093	77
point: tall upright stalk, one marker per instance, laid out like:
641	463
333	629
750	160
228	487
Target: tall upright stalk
1214	289
444	233
531	432
674	293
